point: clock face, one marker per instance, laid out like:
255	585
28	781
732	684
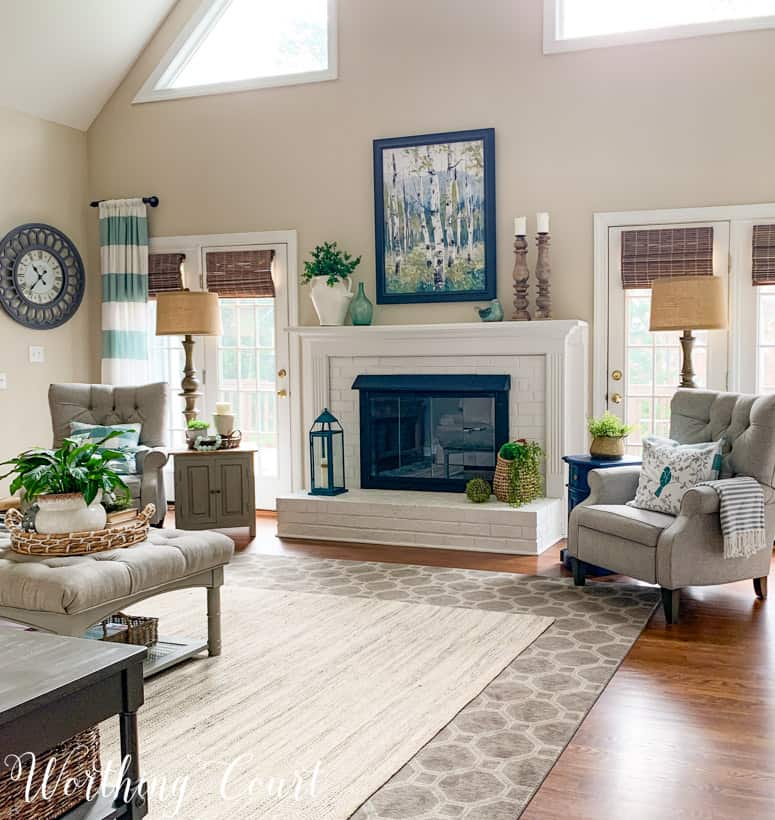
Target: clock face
41	276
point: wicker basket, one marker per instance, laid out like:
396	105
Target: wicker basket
140	631
500	481
528	483
77	760
78	543
231	442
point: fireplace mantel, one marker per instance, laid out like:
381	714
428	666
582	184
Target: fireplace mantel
326	358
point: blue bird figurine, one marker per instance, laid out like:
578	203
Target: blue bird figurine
492	313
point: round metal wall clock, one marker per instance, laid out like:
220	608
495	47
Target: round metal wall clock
41	276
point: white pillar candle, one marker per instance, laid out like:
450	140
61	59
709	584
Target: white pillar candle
223	408
542	222
520	226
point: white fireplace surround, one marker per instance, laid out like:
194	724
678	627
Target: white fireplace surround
547	362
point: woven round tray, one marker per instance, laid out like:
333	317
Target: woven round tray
231	442
78	543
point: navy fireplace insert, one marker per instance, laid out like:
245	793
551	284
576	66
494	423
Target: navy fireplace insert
426	432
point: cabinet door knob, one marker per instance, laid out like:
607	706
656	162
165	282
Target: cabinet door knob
282	373
283	394
616	398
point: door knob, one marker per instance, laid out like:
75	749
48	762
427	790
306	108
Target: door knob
617	375
282	373
616	398
283	394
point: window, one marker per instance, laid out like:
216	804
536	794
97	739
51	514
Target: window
578	24
235	45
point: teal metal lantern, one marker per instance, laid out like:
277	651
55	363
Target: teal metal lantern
326	456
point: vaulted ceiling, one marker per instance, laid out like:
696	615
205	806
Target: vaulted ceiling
61	60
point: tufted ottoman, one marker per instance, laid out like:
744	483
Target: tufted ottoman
68	595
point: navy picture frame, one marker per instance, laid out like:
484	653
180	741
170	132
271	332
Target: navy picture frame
489	291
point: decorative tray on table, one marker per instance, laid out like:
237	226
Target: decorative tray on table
78	543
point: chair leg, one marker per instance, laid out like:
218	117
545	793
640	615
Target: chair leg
579	572
760	587
671	601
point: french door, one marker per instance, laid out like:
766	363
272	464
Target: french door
247	366
643	368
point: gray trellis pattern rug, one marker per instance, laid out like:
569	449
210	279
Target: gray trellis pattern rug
490	759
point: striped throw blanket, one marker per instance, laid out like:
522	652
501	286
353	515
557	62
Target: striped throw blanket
741	509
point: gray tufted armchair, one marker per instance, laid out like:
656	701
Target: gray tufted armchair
105	404
687	549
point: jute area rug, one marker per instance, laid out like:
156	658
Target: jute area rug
494	752
328	695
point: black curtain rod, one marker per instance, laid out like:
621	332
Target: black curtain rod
153	201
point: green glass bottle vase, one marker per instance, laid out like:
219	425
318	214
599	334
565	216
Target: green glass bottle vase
361	309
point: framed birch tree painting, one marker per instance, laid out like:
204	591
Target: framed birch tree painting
434	206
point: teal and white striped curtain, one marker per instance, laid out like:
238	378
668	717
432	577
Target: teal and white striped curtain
124	258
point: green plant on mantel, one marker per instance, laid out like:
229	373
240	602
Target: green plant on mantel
329	261
74	467
608	426
525	479
197	424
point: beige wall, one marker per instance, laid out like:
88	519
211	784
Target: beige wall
42	179
680	123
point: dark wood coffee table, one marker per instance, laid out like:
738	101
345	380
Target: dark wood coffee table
52	688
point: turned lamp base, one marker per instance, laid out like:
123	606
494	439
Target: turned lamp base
189	385
687	371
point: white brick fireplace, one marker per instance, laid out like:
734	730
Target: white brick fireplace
547	363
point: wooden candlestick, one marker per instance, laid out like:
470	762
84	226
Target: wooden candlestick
521	276
543	272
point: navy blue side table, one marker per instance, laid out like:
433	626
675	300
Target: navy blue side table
578	488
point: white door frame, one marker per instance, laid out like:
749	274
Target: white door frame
285	244
603	222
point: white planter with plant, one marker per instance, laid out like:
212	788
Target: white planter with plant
67	484
331	291
608	434
194	429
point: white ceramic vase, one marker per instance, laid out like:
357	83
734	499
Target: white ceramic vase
224	423
68	512
331	303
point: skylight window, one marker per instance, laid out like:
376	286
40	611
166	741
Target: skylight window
234	45
577	24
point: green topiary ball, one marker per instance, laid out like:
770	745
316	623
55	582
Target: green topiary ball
478	490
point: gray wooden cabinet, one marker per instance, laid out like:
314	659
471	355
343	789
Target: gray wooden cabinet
215	490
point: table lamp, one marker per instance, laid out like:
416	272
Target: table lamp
188	313
688	303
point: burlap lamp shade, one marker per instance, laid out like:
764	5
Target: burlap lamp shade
688	303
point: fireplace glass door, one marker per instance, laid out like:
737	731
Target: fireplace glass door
430	439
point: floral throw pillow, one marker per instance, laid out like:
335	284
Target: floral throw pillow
670	469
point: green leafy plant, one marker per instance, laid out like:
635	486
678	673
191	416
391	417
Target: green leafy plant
608	426
74	467
478	490
329	261
197	424
525	479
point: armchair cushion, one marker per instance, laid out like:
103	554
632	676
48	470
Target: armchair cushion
670	470
642	526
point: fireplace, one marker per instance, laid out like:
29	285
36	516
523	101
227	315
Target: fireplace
431	432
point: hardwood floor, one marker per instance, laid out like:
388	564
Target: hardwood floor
686	728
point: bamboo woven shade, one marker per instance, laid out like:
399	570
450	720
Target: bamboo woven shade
763	255
164	273
664	253
240	274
